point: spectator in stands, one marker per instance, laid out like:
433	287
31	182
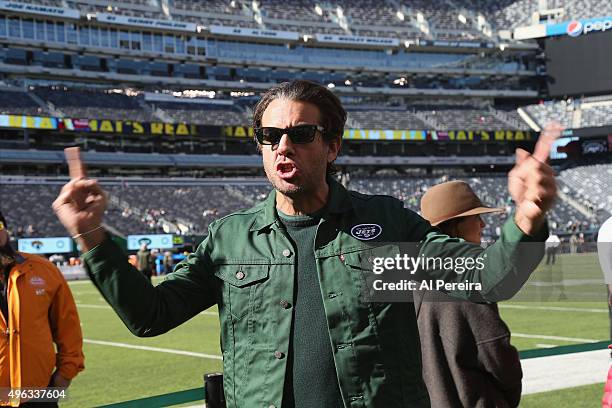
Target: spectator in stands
295	331
168	262
468	360
36	302
145	261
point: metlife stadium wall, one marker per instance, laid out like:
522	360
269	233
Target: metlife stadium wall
579	57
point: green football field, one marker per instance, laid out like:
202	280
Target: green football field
550	311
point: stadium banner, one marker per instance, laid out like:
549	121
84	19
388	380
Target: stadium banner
153	241
454	44
146	22
575	28
28	122
355	39
55	245
127	127
254	33
131	127
40	10
439	135
412	135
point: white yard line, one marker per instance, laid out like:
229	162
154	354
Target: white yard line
553	308
542	345
157	349
545	337
551	373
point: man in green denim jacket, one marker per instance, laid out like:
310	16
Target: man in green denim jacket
248	265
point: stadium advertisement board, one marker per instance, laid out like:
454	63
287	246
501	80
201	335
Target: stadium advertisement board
579	65
28	122
355	39
55	245
454	44
153	241
40	9
576	28
459	135
254	33
99	125
146	22
127	127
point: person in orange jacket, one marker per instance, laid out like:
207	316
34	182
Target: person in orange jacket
36	310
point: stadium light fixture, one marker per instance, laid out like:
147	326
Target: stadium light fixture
462	18
331	85
347	82
318	10
400	15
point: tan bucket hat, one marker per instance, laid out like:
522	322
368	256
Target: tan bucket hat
452	199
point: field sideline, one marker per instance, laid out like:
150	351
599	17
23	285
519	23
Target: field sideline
121	367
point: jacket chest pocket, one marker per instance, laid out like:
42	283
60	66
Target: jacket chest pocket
242	287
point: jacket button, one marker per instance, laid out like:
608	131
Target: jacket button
279	354
284	304
286	253
240	275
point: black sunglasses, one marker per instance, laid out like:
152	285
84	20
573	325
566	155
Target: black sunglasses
300	134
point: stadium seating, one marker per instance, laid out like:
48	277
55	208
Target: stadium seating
167	206
573	113
94	104
204	114
591	186
18	102
384	19
100	104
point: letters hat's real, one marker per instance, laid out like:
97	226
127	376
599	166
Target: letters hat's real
452	199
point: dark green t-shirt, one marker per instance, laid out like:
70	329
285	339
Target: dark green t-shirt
311	379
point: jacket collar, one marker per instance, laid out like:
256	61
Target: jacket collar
339	202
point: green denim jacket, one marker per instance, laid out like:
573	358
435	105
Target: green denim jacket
246	266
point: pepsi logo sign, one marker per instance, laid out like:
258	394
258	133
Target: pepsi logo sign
366	232
574	28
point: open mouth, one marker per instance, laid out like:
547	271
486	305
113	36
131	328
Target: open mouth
286	170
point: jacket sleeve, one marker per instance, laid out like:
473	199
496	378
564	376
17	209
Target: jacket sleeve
501	269
149	310
66	329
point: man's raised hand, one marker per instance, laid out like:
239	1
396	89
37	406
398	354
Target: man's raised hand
81	203
531	182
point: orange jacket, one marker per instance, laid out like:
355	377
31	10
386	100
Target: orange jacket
41	312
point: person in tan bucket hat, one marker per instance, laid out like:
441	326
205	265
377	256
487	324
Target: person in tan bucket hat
467	356
455	209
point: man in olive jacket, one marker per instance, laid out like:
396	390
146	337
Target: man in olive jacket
287	274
